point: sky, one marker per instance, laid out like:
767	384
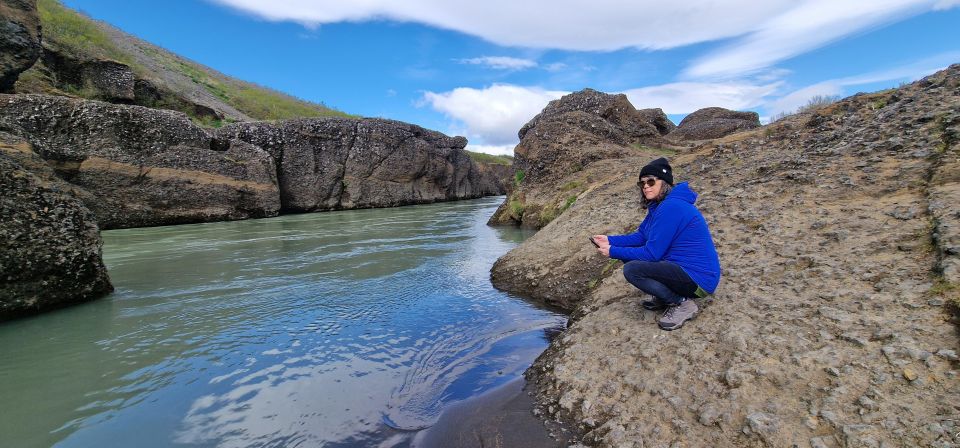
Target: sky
483	69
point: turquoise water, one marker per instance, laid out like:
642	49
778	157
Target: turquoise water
350	328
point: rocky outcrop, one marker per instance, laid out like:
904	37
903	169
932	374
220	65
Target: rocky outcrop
144	167
49	242
714	122
837	239
495	178
560	143
337	163
19	39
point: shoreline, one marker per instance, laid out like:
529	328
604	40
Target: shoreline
502	417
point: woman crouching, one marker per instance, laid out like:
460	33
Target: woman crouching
671	256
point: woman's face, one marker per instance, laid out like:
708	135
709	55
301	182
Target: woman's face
651	191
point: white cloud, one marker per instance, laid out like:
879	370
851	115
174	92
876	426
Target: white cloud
572	25
806	26
686	97
555	67
501	62
764	32
500	150
494	114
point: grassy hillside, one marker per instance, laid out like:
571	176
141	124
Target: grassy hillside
480	157
182	84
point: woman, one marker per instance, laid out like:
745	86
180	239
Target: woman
671	256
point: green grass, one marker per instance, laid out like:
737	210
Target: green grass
571	185
77	33
480	157
518	177
83	38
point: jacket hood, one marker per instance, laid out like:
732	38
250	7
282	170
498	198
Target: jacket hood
682	192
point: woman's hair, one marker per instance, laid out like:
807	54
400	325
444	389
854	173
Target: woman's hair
664	191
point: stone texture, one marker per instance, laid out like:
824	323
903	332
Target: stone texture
19	39
564	140
714	122
50	247
144	167
832	235
338	163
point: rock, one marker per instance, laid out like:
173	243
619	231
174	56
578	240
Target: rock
339	163
910	374
143	167
764	425
558	147
114	81
50	247
19	39
714	122
808	318
947	354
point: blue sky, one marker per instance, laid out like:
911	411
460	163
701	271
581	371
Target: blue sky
483	69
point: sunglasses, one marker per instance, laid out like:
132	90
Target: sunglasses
648	182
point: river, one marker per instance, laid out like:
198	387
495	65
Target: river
340	329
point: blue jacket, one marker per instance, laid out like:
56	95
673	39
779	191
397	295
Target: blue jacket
674	231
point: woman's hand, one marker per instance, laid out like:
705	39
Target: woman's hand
601	240
605	250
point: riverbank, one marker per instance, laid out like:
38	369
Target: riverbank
832	326
501	418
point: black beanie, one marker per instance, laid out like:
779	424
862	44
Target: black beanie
659	168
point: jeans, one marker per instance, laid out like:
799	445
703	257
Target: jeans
662	279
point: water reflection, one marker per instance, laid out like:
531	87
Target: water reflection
337	329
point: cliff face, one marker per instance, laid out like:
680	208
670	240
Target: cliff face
19	39
143	167
84	58
325	164
561	143
837	231
49	242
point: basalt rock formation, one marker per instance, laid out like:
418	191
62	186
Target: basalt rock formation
19	39
336	163
563	141
49	242
714	122
837	230
141	166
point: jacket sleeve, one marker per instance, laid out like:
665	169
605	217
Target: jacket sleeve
634	239
630	240
663	230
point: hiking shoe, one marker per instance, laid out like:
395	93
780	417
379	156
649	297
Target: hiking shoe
676	315
654	305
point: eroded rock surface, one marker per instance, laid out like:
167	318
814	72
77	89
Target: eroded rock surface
144	167
336	163
714	122
19	39
50	247
561	142
836	231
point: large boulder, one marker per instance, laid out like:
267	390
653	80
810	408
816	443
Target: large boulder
50	247
144	167
19	39
339	163
838	240
714	122
558	146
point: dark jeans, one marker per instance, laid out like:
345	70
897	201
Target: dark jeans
661	279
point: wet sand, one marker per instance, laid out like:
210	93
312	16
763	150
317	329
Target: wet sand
501	418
